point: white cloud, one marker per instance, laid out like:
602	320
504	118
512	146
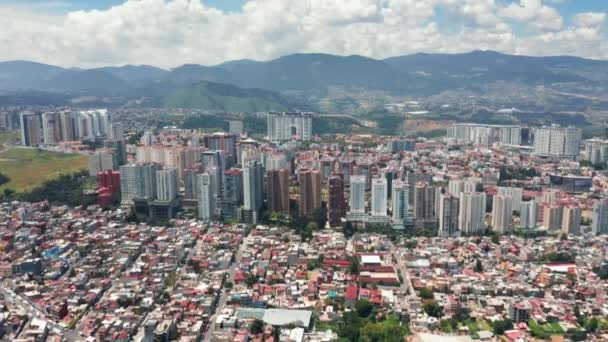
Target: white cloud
535	14
173	32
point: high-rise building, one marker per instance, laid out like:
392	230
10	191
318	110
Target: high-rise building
205	196
555	141
571	221
167	185
455	187
232	196
448	214
553	216
310	191
502	214
191	182
516	195
400	202
101	160
138	181
486	134
379	197
336	205
51	128
346	168
327	167
287	126
600	217
31	129
253	192
357	195
472	212
528	214
277	189
595	151
224	142
424	201
471	184
6	123
413	178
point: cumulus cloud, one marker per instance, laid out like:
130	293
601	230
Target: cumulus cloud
169	33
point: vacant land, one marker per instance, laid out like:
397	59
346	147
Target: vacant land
28	168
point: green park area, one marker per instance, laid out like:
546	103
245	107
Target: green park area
27	168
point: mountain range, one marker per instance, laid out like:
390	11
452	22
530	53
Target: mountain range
296	81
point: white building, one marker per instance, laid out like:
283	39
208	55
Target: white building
138	181
167	185
502	214
555	141
481	134
101	160
400	201
516	195
600	217
287	126
206	200
595	151
528	214
379	197
472	215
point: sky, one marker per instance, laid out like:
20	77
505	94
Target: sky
169	33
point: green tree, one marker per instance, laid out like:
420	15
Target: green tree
433	309
500	327
353	268
592	324
478	266
426	293
348	229
364	308
256	327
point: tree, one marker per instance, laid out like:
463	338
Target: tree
478	266
426	293
500	327
433	309
228	285
592	324
348	229
353	268
364	308
256	327
250	280
276	333
495	239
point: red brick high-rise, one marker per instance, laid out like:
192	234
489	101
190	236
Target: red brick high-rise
277	190
336	206
310	191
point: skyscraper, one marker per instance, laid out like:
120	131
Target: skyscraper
379	197
51	128
424	201
167	185
553	216
357	195
287	126
571	221
516	195
502	214
277	184
206	200
555	141
448	214
472	212
413	178
232	196
600	217
528	214
101	160
253	192
138	181
225	142
31	129
310	191
455	187
400	202
336	206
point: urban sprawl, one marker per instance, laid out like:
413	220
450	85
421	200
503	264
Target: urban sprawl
491	233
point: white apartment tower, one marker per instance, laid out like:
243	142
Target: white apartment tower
472	215
379	197
167	185
555	141
287	126
502	214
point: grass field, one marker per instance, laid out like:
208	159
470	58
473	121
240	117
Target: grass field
29	168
